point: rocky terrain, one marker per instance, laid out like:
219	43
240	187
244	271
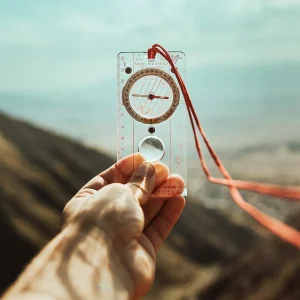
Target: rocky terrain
215	251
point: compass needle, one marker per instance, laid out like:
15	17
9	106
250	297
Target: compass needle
161	97
139	95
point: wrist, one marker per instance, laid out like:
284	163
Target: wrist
76	264
100	253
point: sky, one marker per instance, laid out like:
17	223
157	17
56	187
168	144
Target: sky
64	53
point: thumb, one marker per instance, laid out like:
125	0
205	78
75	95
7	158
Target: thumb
142	182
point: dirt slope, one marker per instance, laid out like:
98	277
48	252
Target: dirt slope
40	171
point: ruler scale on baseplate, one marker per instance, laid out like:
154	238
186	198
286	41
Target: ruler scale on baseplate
151	111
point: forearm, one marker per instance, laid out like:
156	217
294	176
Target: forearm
77	264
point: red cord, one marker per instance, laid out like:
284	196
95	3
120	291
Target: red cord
284	231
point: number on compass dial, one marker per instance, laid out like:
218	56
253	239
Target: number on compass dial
150	96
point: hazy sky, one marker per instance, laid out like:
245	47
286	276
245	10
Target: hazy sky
243	61
65	45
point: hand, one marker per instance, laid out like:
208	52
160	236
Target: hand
121	202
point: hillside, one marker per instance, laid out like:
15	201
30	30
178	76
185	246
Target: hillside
268	271
41	171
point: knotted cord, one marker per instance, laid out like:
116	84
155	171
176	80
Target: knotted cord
282	230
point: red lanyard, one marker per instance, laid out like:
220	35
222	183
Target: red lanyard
284	231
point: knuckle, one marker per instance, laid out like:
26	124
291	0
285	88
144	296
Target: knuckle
141	187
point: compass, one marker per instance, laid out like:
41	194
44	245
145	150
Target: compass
150	96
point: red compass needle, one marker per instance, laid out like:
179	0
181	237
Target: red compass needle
282	230
160	97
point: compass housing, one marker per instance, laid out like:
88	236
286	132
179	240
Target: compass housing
126	100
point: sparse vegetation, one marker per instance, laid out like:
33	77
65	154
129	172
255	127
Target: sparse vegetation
215	251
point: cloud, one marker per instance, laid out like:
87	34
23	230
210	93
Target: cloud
17	32
284	3
85	24
125	17
255	6
48	75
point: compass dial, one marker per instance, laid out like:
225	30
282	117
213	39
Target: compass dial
150	96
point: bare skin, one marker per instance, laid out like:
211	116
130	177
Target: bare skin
113	228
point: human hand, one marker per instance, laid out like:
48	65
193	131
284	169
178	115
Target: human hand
122	202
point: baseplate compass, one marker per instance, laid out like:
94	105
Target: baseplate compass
151	112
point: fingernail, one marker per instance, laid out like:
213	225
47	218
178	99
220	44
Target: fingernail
145	169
